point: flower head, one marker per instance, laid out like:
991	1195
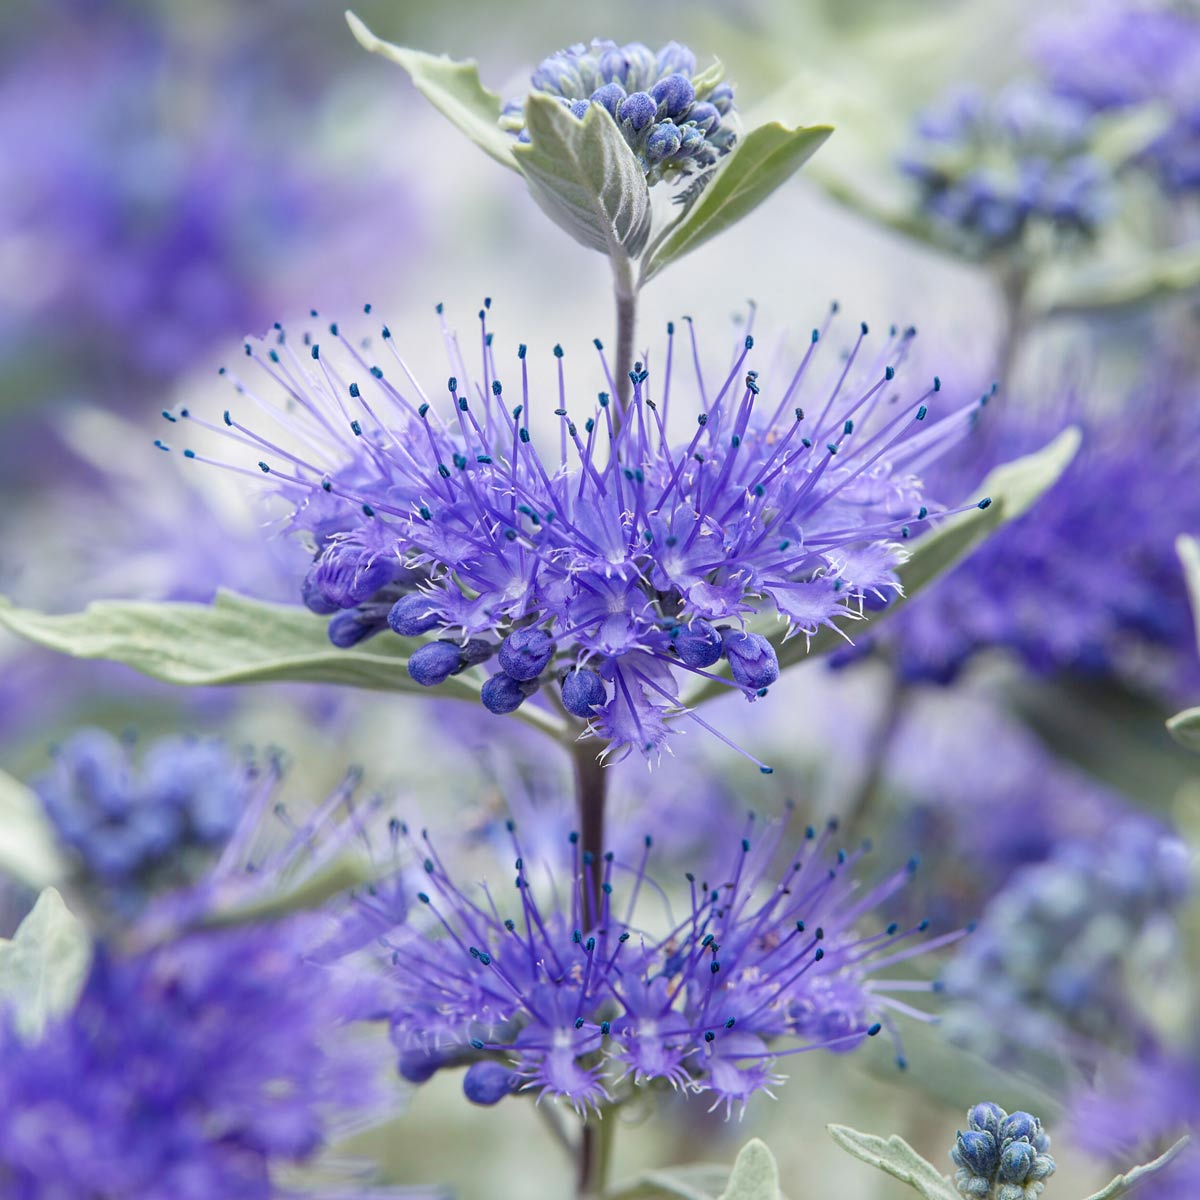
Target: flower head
629	557
190	1071
991	169
1119	55
676	120
1001	1156
578	999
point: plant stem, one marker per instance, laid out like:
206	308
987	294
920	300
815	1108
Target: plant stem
595	1154
591	787
1014	285
625	293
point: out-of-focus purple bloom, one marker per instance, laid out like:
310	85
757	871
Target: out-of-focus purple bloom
1111	56
676	120
1089	580
990	169
580	1004
625	541
186	1072
1046	970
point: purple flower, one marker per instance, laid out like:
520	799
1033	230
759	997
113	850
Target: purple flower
604	568
1119	55
1089	580
989	169
186	1072
675	121
582	1002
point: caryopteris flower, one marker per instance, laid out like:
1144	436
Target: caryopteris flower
1048	969
992	168
133	828
1001	1156
543	990
677	121
1112	57
626	558
188	1072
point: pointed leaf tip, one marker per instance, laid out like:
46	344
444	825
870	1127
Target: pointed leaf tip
755	1174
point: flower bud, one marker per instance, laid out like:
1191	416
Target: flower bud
697	644
663	141
752	659
582	691
504	694
488	1083
639	109
413	615
525	653
434	662
673	95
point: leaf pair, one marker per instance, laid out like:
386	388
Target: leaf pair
755	1176
582	173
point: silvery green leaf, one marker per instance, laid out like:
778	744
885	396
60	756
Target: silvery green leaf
895	1156
584	176
1013	487
28	848
43	968
706	80
1123	1183
1188	549
755	1175
762	160
1119	137
696	1181
1110	286
453	88
1185	728
234	640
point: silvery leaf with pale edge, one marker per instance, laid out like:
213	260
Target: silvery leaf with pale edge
896	1157
1124	1183
43	968
28	847
1184	727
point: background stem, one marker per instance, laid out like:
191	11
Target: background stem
591	788
595	1152
625	294
864	796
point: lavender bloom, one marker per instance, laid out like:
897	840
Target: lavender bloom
570	1001
1088	581
1001	1156
675	120
617	563
1054	945
1115	56
132	829
190	1071
991	169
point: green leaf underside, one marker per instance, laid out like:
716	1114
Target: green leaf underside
453	88
234	640
696	1181
755	1175
585	177
1013	487
763	159
1124	1183
896	1157
43	968
28	848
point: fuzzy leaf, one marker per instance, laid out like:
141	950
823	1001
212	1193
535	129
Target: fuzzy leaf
234	640
453	88
696	1181
340	875
763	159
755	1175
584	176
895	1156
1013	488
43	968
1123	1183
1084	290
1184	727
28	848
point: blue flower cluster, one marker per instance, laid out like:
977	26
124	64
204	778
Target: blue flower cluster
132	828
554	992
990	169
187	1072
1035	589
631	555
674	120
1001	1156
1116	56
1049	959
